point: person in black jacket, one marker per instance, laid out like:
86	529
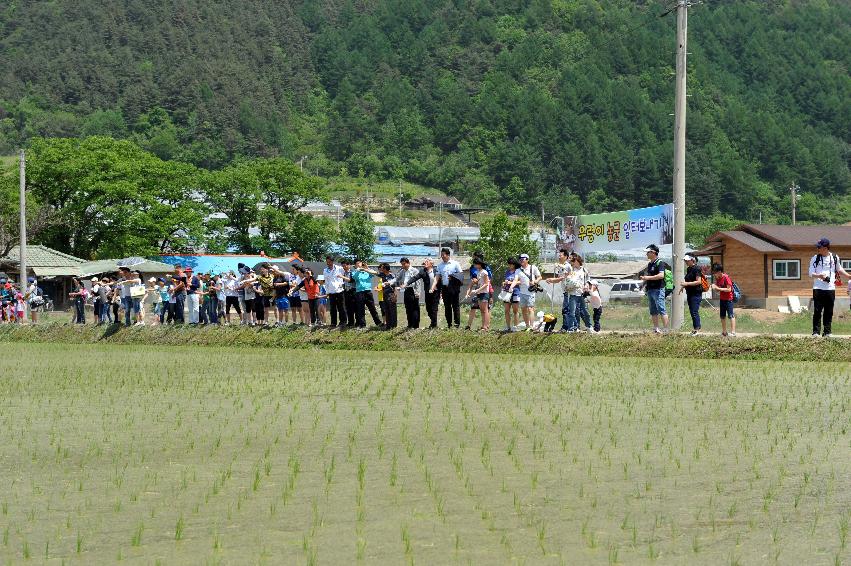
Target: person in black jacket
429	277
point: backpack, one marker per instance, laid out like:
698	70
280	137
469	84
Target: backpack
669	280
704	283
737	293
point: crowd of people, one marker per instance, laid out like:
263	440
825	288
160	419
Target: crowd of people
345	292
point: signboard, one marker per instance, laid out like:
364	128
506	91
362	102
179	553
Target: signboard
624	230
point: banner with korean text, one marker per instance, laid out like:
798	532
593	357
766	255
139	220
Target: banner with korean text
624	230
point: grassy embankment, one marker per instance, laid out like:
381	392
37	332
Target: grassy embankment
612	345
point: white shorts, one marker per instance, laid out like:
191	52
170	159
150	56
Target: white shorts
527	301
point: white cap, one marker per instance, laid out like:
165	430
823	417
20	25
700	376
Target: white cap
689	257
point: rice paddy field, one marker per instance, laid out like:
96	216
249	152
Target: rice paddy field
206	455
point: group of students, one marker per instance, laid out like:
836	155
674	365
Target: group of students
15	298
271	295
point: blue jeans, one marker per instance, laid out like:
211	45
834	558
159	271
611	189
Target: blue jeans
213	310
656	300
583	313
79	311
694	310
565	312
129	303
572	319
179	302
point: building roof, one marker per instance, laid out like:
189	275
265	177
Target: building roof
111	265
797	236
436	199
749	240
42	256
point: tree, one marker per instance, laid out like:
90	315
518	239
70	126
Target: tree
503	238
110	198
357	235
38	215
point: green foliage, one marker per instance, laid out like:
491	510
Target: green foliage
510	104
357	236
503	238
112	199
698	229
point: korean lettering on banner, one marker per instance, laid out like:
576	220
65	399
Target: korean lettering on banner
641	226
612	231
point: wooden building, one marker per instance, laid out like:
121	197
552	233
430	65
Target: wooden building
54	270
769	263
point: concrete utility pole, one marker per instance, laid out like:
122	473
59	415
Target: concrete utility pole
400	200
23	245
794	189
680	163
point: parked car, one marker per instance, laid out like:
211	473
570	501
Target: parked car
627	291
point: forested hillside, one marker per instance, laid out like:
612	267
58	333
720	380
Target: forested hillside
502	102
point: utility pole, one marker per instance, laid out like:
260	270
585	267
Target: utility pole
543	235
794	189
440	227
400	200
680	163
23	245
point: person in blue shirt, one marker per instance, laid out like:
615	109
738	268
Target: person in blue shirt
362	277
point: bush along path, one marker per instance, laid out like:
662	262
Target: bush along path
754	347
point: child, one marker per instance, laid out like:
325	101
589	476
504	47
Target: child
724	285
596	304
20	310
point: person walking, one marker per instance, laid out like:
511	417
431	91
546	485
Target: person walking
411	296
825	268
724	285
654	286
451	281
362	276
692	284
428	278
334	280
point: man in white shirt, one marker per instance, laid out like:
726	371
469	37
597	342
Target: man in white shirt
824	268
526	278
335	277
231	289
451	279
412	293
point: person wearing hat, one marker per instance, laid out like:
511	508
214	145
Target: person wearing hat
193	295
323	300
97	304
825	268
526	279
692	284
654	286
